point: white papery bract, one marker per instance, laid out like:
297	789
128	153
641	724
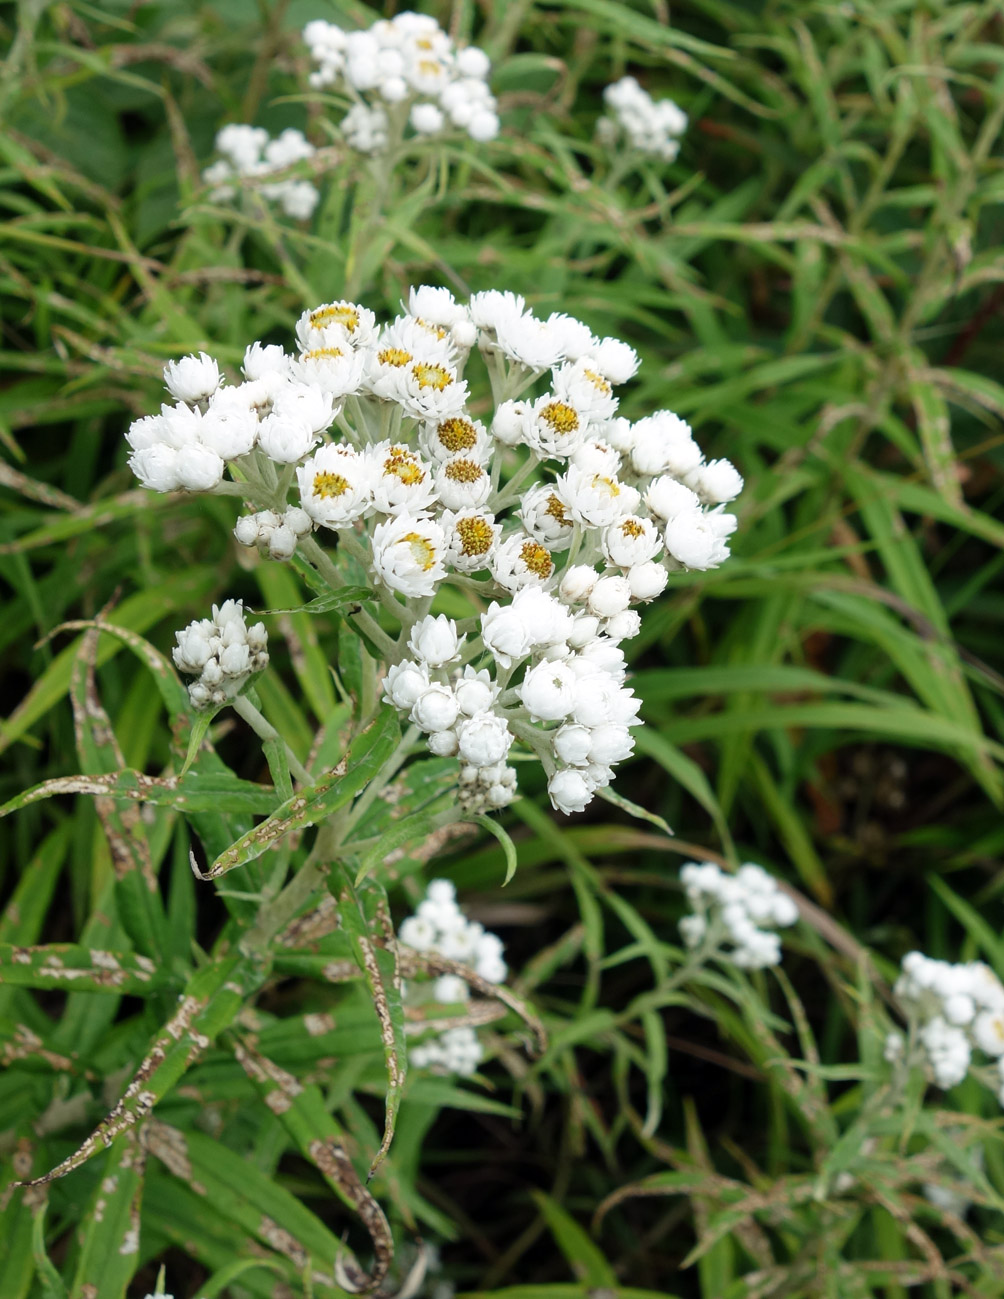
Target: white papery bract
440	928
405	70
956	1010
742	910
222	651
562	518
249	156
635	119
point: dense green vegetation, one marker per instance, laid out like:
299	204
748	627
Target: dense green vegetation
816	286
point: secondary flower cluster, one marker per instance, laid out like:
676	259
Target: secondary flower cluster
249	153
440	928
742	909
405	70
954	1008
651	126
222	651
558	517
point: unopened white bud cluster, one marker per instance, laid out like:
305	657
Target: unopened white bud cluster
249	153
956	1009
741	909
222	651
403	71
559	516
651	126
440	928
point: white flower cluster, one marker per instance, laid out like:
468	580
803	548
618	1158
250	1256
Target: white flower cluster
439	927
651	126
249	153
405	70
742	909
956	1008
559	515
222	651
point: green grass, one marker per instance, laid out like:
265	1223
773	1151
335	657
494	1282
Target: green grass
815	286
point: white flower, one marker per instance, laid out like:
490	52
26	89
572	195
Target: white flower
610	595
336	485
402	481
284	438
505	634
229	427
475	692
576	583
583	387
427	119
405	683
408	554
471	537
988	1032
528	341
596	500
630	541
572	744
264	358
694	541
663	443
193	378
553	428
462	483
458	436
199	469
546	518
435	709
569	791
616	361
520	561
157	467
666	498
483	739
716	481
548	691
434	641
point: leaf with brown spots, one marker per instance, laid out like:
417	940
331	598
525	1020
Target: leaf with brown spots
109	1232
69	966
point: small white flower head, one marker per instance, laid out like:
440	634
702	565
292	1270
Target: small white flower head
521	561
743	909
596	500
631	540
546	518
471	538
405	683
264	358
475	691
665	498
509	423
458	436
664	443
402	481
553	428
484	739
609	596
570	791
462	483
157	467
434	641
427	119
193	378
695	541
285	438
505	634
408	554
576	583
549	691
529	342
716	482
435	709
336	485
585	389
199	469
229	426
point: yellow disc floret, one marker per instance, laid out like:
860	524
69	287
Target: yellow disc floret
339	313
632	528
323	354
327	485
429	375
537	558
422	550
475	535
555	508
464	471
395	356
457	434
560	417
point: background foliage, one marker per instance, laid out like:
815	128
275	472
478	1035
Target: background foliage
816	286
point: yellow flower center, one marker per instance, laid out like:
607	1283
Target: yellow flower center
464	471
403	465
430	68
341	313
556	509
608	485
395	356
560	417
632	528
431	376
537	559
457	434
323	354
598	382
423	552
328	484
438	330
475	536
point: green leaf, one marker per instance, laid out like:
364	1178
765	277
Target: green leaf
581	1253
110	1229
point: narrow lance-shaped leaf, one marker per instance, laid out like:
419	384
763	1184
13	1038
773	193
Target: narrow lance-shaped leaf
303	1113
204	791
136	889
365	917
84	969
210	1003
309	806
109	1246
